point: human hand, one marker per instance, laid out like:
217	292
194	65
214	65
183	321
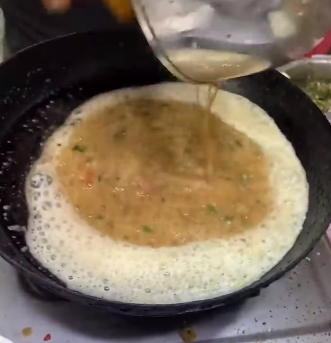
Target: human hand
121	9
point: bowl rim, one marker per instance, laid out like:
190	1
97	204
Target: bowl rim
316	59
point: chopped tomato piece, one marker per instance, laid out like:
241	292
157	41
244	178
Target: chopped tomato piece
89	177
148	186
47	338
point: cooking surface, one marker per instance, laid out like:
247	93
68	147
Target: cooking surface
297	308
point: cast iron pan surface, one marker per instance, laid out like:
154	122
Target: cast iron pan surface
41	85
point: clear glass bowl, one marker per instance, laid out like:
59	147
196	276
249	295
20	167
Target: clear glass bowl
261	32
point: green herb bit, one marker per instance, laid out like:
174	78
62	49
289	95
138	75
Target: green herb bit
78	148
99	178
100	217
229	219
212	209
245	178
319	91
238	143
119	135
147	229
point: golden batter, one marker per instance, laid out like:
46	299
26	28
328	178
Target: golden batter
130	168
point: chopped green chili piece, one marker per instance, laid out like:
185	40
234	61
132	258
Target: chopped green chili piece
119	135
245	178
229	219
147	229
212	209
78	148
319	91
238	143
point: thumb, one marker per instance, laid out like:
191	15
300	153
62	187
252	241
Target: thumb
56	5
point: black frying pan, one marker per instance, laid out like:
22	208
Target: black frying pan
41	85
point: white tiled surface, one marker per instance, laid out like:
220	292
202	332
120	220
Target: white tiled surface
296	308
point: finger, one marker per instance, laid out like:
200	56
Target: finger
57	5
121	9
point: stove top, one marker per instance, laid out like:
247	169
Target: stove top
296	308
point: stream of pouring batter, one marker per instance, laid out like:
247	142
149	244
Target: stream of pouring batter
228	66
209	142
